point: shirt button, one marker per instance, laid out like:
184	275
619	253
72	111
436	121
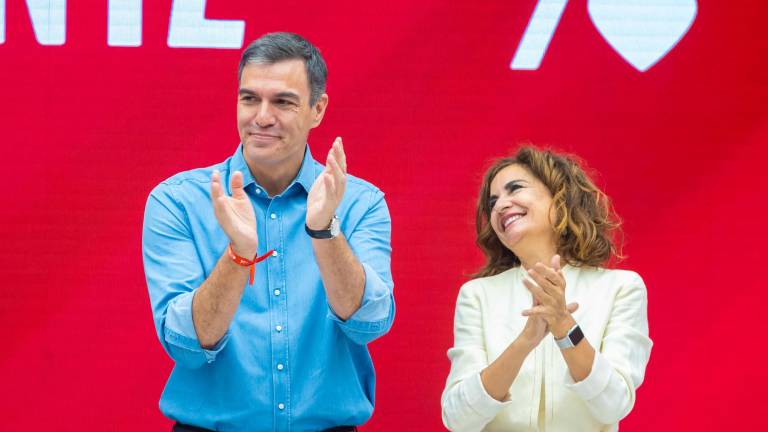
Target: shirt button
258	191
277	292
273	216
274	253
281	406
279	366
279	328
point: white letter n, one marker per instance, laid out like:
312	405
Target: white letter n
49	20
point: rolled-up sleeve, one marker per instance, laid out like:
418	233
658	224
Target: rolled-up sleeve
173	271
370	242
466	405
619	365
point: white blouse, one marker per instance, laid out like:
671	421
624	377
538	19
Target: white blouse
613	316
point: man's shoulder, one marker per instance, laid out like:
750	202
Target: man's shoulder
195	175
361	185
192	179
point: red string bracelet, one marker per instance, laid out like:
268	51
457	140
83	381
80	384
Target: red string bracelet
246	262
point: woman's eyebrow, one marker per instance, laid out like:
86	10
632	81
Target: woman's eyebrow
510	184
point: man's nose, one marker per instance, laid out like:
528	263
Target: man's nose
264	116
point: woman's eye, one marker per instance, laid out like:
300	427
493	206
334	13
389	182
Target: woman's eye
492	203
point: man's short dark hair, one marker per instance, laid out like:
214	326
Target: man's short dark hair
275	47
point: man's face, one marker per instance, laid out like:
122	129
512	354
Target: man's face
273	113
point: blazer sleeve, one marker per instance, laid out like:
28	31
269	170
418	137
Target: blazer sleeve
620	360
466	405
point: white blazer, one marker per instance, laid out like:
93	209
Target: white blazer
613	316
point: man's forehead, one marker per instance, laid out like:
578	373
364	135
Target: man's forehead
279	76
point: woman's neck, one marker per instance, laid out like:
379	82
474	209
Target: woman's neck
529	258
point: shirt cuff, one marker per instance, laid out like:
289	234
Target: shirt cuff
376	305
180	329
595	382
475	396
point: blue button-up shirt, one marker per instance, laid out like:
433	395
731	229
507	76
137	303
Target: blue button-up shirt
287	362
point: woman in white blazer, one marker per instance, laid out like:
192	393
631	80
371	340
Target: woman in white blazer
545	337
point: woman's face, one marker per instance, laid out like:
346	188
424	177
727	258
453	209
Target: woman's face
520	211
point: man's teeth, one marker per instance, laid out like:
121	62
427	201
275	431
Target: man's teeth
512	219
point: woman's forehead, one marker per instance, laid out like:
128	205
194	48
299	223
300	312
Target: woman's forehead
511	173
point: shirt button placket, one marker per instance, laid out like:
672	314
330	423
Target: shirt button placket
278	310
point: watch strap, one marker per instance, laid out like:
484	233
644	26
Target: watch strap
328	233
574	336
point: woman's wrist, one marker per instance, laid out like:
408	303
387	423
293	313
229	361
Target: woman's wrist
525	344
561	328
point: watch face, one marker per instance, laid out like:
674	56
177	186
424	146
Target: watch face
335	226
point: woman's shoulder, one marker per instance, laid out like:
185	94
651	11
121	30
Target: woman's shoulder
609	276
491	283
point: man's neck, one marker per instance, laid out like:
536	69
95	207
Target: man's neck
275	178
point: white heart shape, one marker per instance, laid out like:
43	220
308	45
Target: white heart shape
642	31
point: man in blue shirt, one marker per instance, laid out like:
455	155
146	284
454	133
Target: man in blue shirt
283	348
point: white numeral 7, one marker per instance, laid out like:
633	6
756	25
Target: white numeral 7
538	34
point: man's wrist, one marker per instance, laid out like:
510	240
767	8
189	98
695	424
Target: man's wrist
319	223
246	251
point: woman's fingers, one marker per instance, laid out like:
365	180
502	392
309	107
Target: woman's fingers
538	293
536	310
554	276
556	262
545	284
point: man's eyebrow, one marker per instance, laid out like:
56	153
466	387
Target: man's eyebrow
287	95
245	91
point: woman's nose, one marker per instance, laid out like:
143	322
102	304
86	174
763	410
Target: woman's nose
501	205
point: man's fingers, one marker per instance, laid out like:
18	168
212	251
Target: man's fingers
215	185
236	185
340	155
330	187
336	170
218	198
572	307
221	212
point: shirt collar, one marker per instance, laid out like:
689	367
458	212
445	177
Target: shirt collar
306	176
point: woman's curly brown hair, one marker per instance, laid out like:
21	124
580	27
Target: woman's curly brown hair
588	228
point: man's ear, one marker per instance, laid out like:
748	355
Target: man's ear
318	110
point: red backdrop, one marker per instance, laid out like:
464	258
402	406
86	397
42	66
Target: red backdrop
423	95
